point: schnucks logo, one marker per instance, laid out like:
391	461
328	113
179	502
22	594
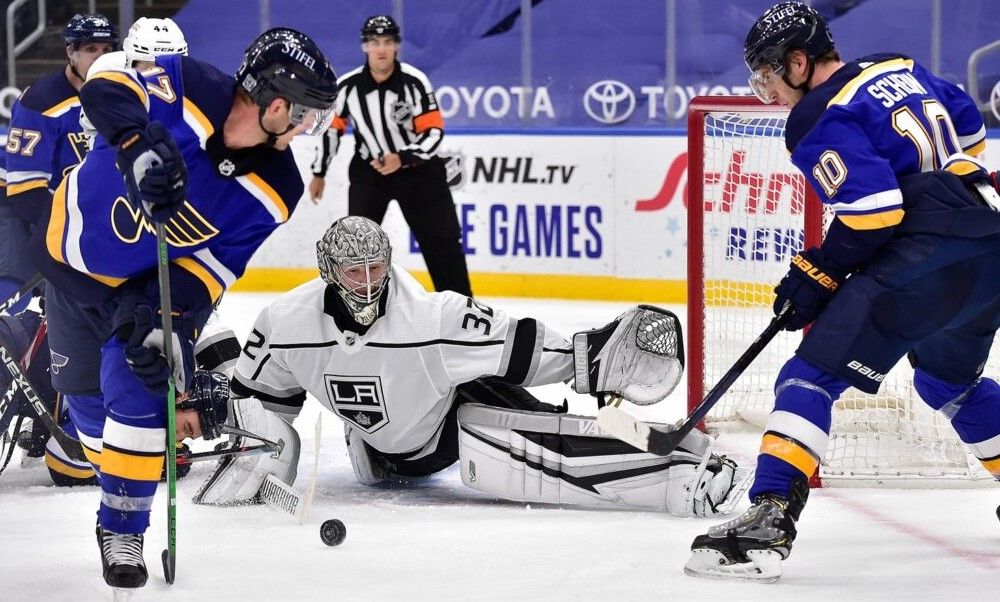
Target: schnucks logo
609	101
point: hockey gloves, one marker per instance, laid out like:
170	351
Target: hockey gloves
808	286
144	351
154	170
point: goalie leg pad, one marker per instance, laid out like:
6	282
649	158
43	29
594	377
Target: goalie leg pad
366	468
563	459
237	479
639	355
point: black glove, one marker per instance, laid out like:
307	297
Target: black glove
154	170
183	463
808	286
143	339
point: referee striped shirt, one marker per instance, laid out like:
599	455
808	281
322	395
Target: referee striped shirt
399	115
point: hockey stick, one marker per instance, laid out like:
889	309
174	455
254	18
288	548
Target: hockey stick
69	445
169	555
621	424
22	292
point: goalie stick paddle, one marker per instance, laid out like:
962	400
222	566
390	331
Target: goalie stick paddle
621	424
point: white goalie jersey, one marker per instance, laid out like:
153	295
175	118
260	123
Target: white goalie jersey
396	382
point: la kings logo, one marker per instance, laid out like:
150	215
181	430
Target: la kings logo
358	400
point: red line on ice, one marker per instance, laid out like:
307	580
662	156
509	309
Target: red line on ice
984	562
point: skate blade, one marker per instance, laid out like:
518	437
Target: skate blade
122	594
764	566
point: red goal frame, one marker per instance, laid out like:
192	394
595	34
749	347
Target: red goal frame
813	226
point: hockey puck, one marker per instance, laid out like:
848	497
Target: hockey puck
998	512
333	532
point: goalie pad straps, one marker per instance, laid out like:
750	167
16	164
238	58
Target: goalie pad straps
639	355
563	459
237	479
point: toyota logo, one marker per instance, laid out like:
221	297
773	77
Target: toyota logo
609	101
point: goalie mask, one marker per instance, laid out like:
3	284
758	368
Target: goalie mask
355	256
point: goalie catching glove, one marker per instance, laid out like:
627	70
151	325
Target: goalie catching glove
640	355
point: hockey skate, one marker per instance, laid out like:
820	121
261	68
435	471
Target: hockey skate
752	546
121	557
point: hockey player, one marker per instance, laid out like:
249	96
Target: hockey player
146	39
910	265
206	155
422	379
45	141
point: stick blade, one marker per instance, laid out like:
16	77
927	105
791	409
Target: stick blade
622	425
169	566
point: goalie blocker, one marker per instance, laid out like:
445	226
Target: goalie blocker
564	459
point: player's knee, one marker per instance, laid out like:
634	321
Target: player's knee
941	395
799	379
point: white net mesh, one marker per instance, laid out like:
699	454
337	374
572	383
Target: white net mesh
754	220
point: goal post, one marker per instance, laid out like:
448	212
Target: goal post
749	211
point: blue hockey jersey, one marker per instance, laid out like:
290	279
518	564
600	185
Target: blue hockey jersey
873	121
95	231
45	140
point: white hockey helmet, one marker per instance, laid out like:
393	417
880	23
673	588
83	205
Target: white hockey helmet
149	38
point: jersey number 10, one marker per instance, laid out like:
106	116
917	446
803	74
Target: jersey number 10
933	146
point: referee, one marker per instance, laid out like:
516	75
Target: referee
397	130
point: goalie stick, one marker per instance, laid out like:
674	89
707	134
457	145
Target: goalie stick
619	423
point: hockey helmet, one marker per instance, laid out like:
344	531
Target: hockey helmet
149	38
208	394
286	63
355	256
782	28
90	27
380	25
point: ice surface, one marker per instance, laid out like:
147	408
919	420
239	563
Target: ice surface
438	541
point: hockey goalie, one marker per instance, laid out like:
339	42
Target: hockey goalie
422	380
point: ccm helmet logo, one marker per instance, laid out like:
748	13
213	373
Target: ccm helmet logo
609	101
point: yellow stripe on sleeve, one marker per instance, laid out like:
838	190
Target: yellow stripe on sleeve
201	272
62	107
123	79
271	194
20	187
57	223
129	466
872	221
198	116
976	149
790	452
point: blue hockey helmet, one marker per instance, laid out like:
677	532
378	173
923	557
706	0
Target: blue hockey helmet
208	394
286	63
90	27
782	28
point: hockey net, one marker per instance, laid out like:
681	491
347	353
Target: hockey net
749	212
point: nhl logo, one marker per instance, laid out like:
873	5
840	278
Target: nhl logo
401	111
226	168
454	168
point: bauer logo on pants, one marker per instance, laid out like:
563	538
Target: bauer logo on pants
358	400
